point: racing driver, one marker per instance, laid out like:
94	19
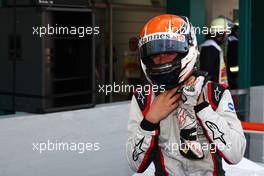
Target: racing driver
184	124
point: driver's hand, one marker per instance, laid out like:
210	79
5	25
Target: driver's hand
163	105
191	93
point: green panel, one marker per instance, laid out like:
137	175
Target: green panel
193	9
244	43
197	17
5	113
179	7
257	38
2	3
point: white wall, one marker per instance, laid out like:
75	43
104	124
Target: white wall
256	148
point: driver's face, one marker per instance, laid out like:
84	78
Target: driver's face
164	58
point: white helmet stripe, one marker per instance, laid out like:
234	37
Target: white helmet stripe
169	26
146	31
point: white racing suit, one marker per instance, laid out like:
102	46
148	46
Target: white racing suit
219	132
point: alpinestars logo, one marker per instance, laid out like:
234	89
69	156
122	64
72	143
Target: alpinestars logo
138	149
161	35
217	93
217	134
141	97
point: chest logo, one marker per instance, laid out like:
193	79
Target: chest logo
141	97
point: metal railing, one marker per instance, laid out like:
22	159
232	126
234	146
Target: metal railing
241	99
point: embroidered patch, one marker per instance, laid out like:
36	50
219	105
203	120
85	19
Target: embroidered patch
215	93
185	118
138	149
231	107
142	98
217	134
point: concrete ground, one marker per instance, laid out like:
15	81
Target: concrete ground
31	145
103	129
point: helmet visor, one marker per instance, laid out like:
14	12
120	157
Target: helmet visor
162	46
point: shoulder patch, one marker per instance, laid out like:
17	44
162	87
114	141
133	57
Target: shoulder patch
215	93
143	98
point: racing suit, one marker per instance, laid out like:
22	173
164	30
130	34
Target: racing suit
219	131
